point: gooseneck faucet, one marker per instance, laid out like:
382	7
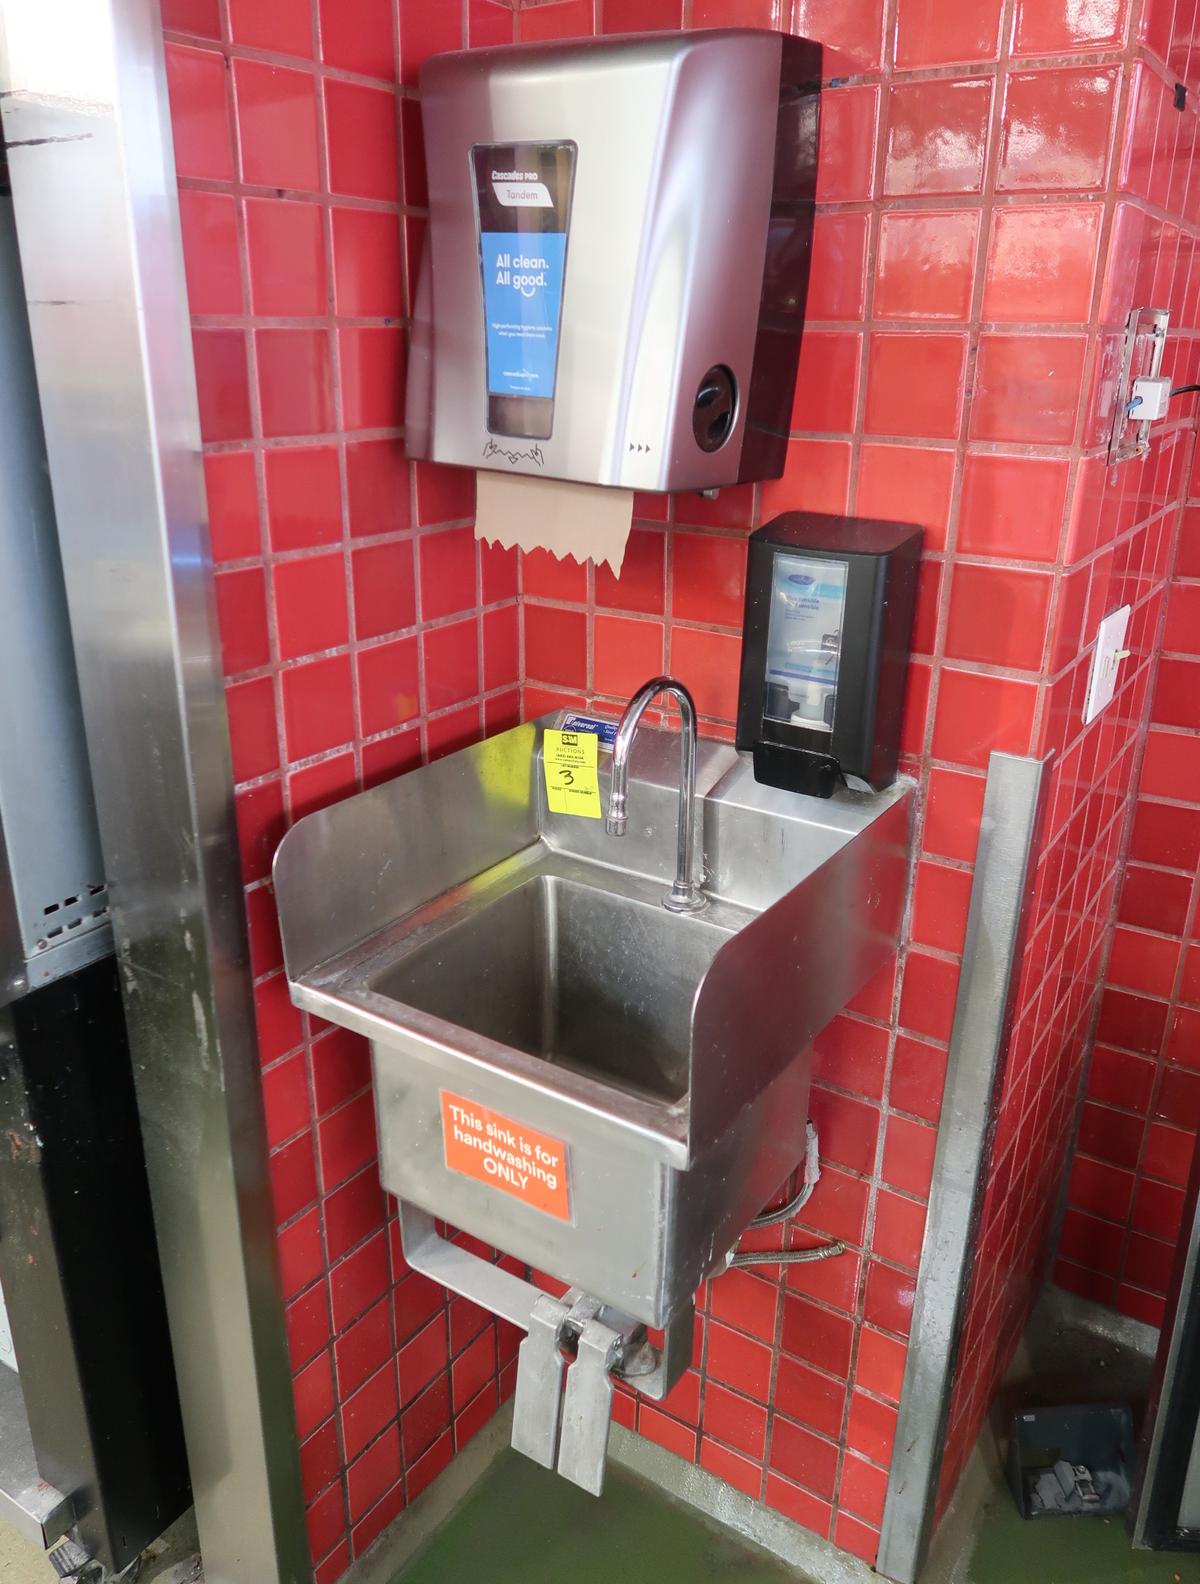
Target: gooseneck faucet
685	895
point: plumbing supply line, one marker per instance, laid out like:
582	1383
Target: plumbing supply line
812	1176
806	1256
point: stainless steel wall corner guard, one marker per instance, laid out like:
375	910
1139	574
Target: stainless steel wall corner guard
1012	808
1166	1496
84	102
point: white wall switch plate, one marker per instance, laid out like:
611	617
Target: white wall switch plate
1110	650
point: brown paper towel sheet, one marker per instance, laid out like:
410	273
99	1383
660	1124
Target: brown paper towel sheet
580	520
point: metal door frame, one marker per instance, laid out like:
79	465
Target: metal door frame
84	103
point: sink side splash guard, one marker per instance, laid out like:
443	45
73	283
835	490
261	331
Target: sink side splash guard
861	889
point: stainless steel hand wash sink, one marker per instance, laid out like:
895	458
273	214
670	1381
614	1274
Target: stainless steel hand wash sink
602	1088
598	980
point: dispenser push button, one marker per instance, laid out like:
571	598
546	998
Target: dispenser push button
507	1155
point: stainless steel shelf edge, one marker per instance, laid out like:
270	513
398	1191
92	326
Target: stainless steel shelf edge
89	150
982	1015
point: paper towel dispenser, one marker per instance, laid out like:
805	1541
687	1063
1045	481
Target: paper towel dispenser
613	281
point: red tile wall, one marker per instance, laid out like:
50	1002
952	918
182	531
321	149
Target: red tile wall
1127	1158
1139	1121
991	205
1142	1106
363	631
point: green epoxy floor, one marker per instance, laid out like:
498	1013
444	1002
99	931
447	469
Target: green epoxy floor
1067	1551
523	1525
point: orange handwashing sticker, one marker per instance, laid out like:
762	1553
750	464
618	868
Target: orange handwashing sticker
504	1154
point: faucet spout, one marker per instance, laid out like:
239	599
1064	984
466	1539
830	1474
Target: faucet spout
616	820
685	896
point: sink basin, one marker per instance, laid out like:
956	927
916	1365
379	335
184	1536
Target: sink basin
583	976
531	1004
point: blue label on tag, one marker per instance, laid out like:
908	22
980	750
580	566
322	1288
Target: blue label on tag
522	293
605	730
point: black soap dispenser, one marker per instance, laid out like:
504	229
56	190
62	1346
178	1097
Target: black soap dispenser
825	650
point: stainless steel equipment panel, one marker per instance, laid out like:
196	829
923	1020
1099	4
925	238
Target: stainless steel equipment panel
53	900
37	1510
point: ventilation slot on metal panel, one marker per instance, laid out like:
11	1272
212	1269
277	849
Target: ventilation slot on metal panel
86	916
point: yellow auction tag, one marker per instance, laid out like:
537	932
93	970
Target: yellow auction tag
569	764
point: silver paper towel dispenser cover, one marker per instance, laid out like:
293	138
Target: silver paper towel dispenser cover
613	281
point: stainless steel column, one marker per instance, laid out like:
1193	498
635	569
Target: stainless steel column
89	148
982	1014
1166	1504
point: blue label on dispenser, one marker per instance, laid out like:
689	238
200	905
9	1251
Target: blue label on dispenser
522	294
604	729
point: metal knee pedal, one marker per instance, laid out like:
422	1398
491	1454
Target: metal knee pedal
537	1402
572	1349
562	1410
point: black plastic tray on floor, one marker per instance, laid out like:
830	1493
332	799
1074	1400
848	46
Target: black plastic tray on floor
1098	1437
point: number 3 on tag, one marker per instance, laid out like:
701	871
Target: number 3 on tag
569	765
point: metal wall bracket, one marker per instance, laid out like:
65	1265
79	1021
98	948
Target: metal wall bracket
1142	355
559	1422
